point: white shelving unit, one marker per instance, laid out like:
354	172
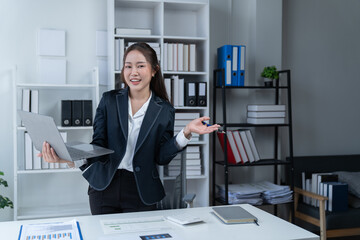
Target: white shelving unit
170	21
45	193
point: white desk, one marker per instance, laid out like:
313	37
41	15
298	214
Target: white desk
270	227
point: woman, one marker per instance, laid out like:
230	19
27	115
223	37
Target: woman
138	124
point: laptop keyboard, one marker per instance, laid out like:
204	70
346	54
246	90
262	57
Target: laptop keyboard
78	154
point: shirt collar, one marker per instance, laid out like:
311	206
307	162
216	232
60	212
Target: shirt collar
141	112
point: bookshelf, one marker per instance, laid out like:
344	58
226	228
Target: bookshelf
170	22
50	192
223	166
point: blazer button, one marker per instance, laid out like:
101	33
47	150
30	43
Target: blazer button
137	169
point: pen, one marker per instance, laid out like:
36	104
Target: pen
205	123
208	125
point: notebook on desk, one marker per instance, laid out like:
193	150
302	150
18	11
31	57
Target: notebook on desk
233	214
42	128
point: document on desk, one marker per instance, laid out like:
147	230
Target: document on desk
131	225
52	230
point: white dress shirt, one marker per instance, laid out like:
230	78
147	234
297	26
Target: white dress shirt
134	125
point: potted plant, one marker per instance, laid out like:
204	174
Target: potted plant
269	74
4	201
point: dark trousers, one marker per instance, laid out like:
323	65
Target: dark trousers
119	197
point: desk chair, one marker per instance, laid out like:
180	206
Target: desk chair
179	198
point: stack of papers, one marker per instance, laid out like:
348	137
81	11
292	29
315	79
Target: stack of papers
256	193
276	194
241	193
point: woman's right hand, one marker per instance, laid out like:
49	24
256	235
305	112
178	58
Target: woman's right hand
49	155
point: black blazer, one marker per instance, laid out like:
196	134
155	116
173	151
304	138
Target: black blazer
155	145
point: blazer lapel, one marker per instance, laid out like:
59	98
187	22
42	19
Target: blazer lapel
152	114
123	111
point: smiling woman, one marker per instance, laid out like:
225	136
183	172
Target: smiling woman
138	124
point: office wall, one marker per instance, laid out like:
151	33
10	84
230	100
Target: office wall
321	47
19	22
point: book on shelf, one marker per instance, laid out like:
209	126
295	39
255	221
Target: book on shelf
305	184
183	118
234	147
321	178
168	88
28	152
241	147
266	114
175	90
316	179
230	156
180	57
337	193
266	107
186	57
170	51
34	101
247	147
189	162
233	214
192	57
181	91
252	145
132	31
266	120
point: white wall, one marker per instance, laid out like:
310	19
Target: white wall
321	47
19	22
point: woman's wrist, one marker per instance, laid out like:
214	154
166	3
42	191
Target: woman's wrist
187	132
71	164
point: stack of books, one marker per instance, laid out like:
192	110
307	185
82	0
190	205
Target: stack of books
179	57
266	114
326	184
182	119
193	163
241	146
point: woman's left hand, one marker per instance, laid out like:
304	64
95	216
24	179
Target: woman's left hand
197	126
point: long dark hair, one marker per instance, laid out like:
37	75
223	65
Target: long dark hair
157	84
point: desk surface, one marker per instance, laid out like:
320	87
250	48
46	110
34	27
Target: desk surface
270	227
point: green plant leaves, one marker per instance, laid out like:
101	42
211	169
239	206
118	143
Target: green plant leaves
270	72
4	201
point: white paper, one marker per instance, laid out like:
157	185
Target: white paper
55	230
101	43
136	236
133	225
103	73
51	42
52	71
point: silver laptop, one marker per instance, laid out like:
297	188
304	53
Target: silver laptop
42	128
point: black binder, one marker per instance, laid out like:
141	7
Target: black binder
190	94
87	112
201	94
65	113
77	119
